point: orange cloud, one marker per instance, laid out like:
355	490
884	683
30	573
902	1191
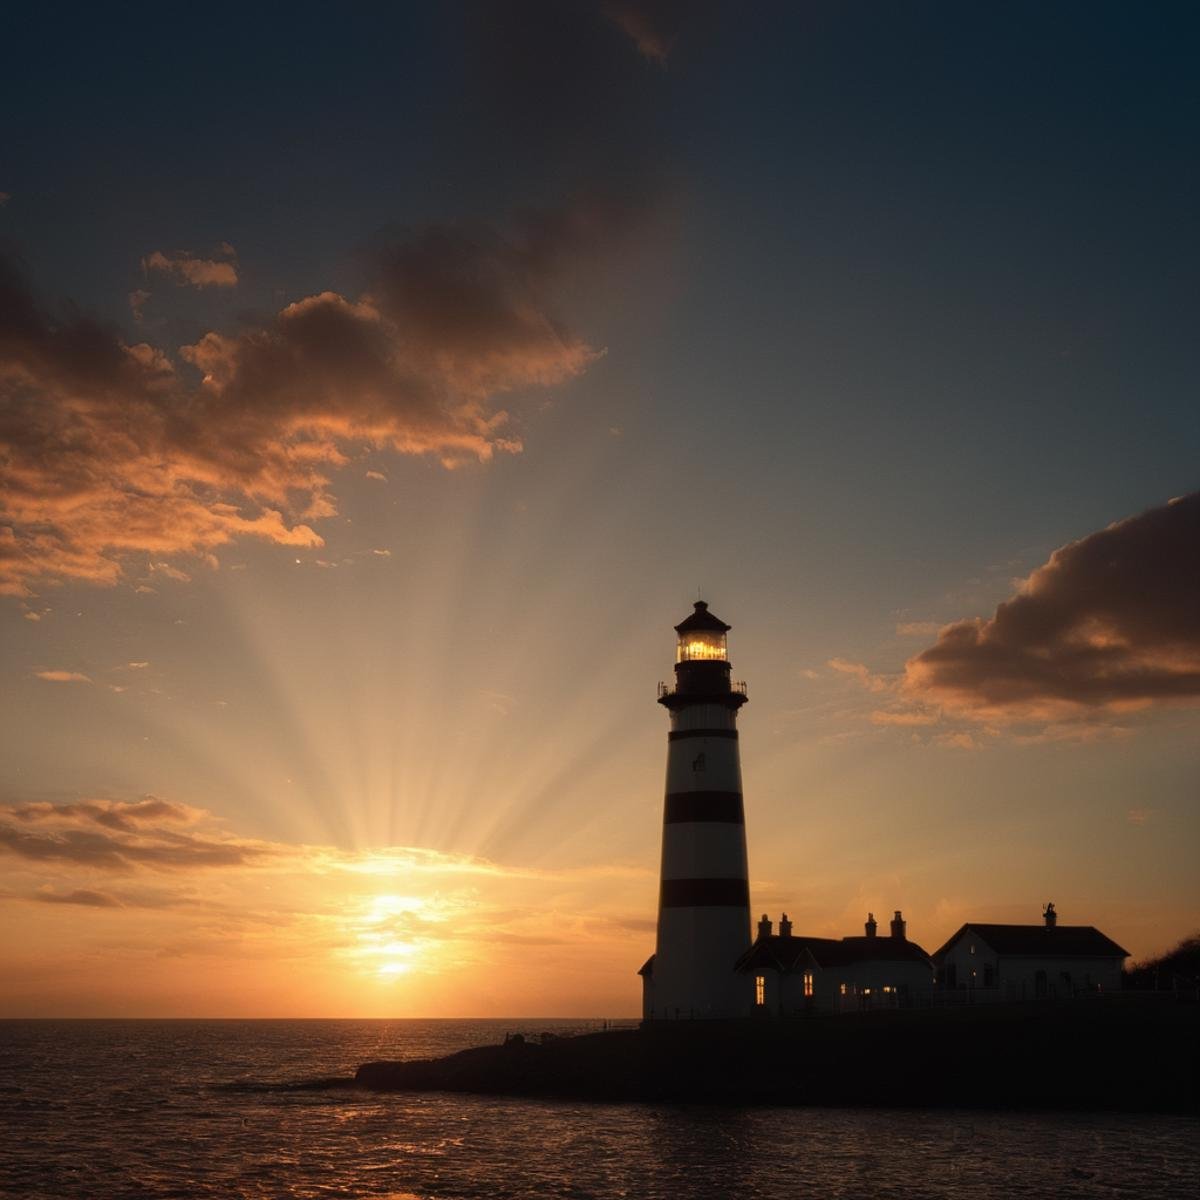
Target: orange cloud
82	896
1110	624
653	25
110	451
185	268
859	671
903	717
63	676
917	628
119	835
137	302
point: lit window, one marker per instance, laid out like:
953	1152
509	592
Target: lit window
702	645
842	988
760	990
808	986
972	947
886	989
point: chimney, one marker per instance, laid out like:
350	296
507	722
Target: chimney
871	927
1050	915
764	926
785	926
898	924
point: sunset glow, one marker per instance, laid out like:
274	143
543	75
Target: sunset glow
377	393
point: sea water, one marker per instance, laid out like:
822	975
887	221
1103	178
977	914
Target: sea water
148	1109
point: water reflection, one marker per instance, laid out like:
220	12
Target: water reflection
118	1109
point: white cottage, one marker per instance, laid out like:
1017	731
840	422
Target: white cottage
1028	962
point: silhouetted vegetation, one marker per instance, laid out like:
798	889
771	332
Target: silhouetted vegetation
1176	970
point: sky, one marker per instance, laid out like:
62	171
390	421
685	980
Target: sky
378	387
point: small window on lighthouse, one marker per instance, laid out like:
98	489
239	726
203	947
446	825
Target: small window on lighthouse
808	983
760	990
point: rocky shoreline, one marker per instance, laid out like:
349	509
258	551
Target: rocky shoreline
1116	1054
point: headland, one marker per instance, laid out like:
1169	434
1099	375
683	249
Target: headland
1120	1054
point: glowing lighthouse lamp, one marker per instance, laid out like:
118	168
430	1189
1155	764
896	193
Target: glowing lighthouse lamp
704	902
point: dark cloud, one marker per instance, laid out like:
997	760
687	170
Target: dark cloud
652	24
1109	623
79	896
118	835
555	96
125	815
109	450
113	452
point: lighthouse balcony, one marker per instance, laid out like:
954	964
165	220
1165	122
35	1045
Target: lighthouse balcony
730	694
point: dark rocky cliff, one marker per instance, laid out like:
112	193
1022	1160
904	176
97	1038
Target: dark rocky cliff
1117	1054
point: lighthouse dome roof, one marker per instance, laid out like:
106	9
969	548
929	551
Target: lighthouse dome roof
700	619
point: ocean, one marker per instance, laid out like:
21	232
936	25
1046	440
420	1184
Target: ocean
149	1109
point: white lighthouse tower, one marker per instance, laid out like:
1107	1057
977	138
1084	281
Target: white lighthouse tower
704	900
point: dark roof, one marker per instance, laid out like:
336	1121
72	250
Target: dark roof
791	953
701	618
1041	941
648	966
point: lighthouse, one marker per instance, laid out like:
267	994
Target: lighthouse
704	901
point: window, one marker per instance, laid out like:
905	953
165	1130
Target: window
699	763
972	947
760	990
808	983
887	990
842	988
702	645
989	975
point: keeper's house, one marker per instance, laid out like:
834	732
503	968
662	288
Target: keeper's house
1028	962
784	974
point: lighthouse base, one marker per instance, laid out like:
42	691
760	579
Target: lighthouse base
692	977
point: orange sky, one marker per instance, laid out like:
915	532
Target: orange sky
361	443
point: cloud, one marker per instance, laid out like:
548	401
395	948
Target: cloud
81	896
379	475
119	835
63	676
653	25
110	450
903	717
137	302
872	682
1109	624
125	815
917	628
186	269
171	572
